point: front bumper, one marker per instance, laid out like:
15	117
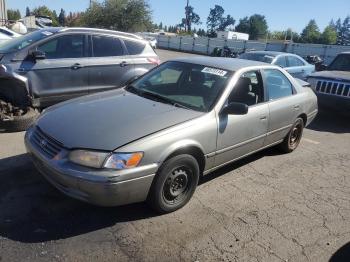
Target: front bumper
99	187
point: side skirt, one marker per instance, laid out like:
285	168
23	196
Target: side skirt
238	158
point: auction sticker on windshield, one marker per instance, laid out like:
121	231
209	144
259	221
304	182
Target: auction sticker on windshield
214	71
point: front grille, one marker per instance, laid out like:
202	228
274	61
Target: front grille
333	88
45	144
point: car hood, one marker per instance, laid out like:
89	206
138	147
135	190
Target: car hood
338	75
109	120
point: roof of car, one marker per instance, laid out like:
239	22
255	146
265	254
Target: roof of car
270	53
231	64
84	29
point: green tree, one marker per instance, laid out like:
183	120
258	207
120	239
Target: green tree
191	18
226	22
13	14
258	27
255	26
62	18
344	32
124	15
243	25
329	36
311	33
216	20
27	11
278	35
160	25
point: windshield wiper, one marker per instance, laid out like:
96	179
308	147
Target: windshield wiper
154	96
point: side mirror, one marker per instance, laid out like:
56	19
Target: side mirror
234	108
37	55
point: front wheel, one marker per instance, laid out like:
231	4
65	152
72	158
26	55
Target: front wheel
20	122
174	184
292	140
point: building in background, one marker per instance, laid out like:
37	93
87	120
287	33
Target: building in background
3	12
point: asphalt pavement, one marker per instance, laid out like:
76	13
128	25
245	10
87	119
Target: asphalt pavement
267	207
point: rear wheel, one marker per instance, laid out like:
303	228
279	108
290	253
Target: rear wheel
174	184
292	140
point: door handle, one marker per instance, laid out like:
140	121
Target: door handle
76	66
296	107
124	63
262	118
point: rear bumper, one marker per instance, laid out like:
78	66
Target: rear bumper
104	188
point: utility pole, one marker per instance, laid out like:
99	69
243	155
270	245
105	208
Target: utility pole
187	16
90	3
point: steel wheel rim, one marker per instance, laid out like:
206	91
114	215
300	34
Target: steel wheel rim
177	185
295	135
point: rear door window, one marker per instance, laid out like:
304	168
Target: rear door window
294	61
104	46
277	84
281	61
134	47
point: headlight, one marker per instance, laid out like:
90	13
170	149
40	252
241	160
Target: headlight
123	160
105	160
88	158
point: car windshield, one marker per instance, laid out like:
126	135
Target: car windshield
186	85
257	57
21	42
340	63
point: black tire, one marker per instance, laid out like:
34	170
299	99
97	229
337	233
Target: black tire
20	123
174	184
292	140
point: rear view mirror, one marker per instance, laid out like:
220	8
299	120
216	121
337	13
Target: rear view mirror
37	55
234	108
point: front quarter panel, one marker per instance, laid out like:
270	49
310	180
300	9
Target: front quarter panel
200	133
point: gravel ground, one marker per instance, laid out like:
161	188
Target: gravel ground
268	207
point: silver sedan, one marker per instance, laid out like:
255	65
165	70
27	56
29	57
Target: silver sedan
155	138
293	64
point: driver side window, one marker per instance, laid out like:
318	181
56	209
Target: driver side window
67	46
248	90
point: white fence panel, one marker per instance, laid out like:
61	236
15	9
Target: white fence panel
163	41
259	46
235	44
206	45
187	43
174	43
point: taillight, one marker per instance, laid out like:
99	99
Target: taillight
154	61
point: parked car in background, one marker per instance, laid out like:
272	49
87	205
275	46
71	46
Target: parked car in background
293	64
153	139
332	86
152	41
9	32
55	64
